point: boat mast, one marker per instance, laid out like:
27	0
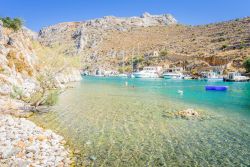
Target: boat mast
138	51
133	60
123	61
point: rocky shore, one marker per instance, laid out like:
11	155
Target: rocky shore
22	144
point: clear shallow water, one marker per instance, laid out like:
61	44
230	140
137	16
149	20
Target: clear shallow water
115	125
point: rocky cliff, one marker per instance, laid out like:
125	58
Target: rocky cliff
18	60
81	36
156	39
20	65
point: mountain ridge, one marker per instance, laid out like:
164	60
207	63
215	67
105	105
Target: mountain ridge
101	45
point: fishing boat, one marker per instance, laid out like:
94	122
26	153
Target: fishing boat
148	72
235	77
211	76
173	73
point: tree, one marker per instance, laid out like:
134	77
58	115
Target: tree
246	64
15	23
164	53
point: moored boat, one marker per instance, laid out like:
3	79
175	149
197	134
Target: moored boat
148	72
235	77
173	73
212	76
122	75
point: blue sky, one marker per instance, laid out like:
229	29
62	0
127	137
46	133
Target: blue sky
40	13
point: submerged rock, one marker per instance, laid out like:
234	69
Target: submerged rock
186	114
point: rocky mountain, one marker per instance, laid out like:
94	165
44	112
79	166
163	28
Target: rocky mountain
152	40
79	37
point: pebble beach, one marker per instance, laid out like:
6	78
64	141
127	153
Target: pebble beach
22	143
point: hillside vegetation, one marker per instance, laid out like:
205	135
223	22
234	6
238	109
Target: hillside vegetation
226	43
107	42
15	23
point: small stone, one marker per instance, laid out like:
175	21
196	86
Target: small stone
20	144
77	151
32	149
20	155
63	142
41	138
31	138
92	158
29	155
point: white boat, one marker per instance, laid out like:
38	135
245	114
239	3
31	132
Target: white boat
187	77
236	77
85	73
173	73
122	75
148	72
99	75
212	76
131	75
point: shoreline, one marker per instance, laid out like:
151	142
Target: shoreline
23	143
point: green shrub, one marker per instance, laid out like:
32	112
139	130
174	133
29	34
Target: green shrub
15	23
223	47
246	64
17	93
52	98
164	53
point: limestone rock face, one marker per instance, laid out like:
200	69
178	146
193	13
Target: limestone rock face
17	61
76	37
81	39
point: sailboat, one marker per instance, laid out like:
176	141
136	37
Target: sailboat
132	63
123	74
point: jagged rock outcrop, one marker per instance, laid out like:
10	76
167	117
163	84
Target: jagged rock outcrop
76	37
20	65
17	62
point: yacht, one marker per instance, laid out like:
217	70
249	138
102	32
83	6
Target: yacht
173	73
148	72
212	76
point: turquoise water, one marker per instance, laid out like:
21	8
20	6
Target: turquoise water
236	99
111	124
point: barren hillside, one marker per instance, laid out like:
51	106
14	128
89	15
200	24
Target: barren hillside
215	44
152	40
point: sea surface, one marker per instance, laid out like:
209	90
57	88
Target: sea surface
125	122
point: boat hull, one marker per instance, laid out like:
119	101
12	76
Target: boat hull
236	80
145	75
214	79
172	77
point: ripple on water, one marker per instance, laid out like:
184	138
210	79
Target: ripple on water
125	127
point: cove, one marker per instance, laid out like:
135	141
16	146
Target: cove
116	125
